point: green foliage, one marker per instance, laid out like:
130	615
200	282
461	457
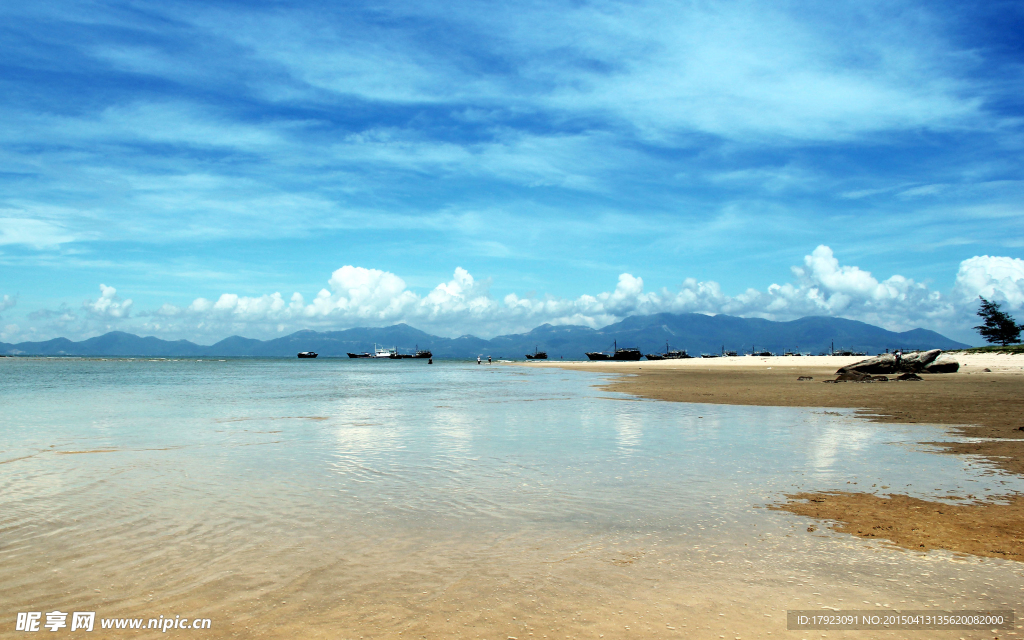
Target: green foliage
1013	348
998	327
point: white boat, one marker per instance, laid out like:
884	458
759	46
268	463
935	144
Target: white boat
381	352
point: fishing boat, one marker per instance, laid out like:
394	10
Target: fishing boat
537	355
670	354
307	354
626	353
391	354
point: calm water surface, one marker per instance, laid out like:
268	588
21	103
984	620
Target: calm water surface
354	498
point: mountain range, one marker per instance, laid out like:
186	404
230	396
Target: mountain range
694	332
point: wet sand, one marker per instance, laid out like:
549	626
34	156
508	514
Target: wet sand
524	584
986	529
974	403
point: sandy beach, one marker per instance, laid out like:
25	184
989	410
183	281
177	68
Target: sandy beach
983	402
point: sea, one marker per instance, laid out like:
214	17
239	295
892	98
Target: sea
342	498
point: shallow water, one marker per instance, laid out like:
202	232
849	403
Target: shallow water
383	499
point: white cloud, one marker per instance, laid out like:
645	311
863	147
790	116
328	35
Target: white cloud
746	71
32	232
360	293
357	296
627	298
7	303
109	305
822	287
994	278
737	70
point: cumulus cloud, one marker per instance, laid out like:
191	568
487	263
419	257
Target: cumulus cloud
7	303
824	287
354	295
995	278
357	296
109	305
821	285
628	298
360	293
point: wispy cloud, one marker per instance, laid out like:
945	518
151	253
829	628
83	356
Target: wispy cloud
31	231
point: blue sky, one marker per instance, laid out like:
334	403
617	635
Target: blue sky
194	170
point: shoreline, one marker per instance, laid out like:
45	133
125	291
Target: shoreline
975	403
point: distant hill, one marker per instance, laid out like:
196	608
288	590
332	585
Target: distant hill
115	343
697	333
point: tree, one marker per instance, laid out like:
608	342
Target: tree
998	327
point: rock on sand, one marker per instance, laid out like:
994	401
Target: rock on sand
910	363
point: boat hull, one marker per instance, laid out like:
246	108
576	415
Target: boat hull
627	355
308	354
